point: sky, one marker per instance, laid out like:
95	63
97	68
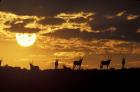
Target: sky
70	29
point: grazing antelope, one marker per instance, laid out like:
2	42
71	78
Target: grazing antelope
105	63
33	67
77	63
65	67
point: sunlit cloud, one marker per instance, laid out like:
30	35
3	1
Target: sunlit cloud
95	46
62	21
7	18
12	23
132	17
68	16
72	21
120	13
109	17
110	30
138	31
69	55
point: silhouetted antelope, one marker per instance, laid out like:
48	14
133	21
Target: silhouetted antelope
65	67
33	67
105	63
123	63
0	62
56	63
77	63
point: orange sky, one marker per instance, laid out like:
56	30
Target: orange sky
94	33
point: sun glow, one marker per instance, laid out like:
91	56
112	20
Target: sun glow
25	39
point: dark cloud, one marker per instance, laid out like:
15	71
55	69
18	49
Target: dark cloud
19	28
79	20
126	30
24	21
52	21
53	7
100	22
72	33
75	33
123	45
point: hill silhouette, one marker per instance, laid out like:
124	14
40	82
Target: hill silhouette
63	80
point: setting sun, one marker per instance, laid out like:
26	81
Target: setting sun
25	39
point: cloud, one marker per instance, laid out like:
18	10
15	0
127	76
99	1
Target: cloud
52	21
68	16
109	17
8	18
96	46
106	22
33	24
120	13
76	33
123	29
79	20
20	28
69	33
138	31
53	7
69	55
114	33
82	25
132	17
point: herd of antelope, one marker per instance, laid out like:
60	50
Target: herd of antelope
104	64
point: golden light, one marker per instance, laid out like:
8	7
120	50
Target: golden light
25	39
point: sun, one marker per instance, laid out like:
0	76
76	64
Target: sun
25	39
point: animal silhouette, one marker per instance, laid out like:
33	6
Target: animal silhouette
65	67
123	63
56	64
33	67
105	63
77	63
0	62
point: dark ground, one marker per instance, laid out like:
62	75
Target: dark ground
21	80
